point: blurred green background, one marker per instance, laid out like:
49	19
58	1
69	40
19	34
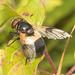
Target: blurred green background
59	14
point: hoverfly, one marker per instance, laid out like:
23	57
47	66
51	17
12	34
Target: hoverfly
31	37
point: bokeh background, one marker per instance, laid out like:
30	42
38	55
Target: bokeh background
59	14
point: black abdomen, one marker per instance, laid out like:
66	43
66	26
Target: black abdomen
39	46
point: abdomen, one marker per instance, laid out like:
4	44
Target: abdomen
36	40
39	46
32	45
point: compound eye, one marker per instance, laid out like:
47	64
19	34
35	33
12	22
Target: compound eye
15	22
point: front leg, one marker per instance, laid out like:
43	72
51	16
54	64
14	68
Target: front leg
13	41
26	62
13	33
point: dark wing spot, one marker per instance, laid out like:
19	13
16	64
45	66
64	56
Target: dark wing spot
49	29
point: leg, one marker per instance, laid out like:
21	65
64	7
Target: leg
13	41
26	61
13	32
24	46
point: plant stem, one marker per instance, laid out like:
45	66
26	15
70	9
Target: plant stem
50	61
61	61
71	70
45	72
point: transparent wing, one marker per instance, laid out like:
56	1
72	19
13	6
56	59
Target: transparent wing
52	33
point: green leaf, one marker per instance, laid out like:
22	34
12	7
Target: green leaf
2	55
14	62
33	11
0	70
6	14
